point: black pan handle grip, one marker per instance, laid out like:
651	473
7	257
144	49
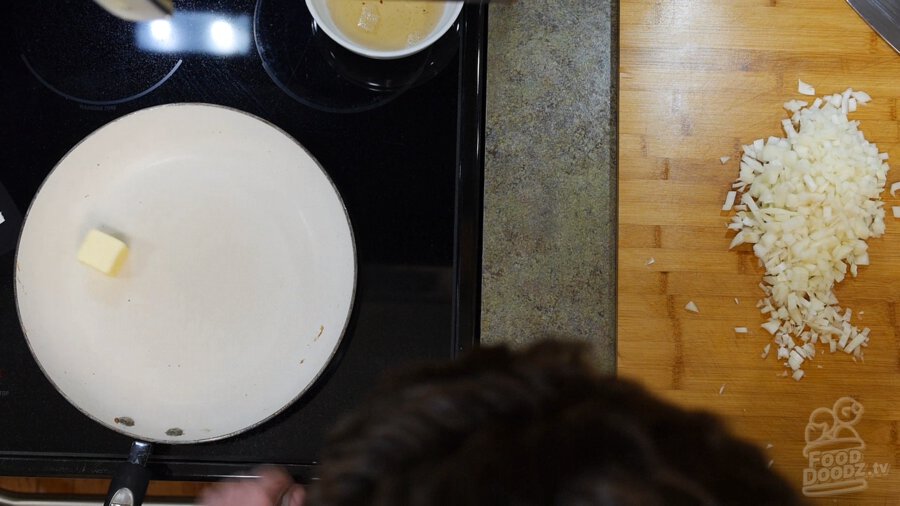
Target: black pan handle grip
129	485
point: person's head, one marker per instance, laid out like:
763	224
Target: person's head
535	427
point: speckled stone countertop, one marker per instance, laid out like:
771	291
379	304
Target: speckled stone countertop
550	178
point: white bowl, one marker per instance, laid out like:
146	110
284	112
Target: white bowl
320	12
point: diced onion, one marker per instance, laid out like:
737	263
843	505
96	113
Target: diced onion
740	330
808	203
690	306
729	200
854	344
795	359
894	188
772	326
795	105
861	97
724	159
896	211
651	261
805	88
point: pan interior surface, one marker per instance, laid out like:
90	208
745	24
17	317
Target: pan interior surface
237	287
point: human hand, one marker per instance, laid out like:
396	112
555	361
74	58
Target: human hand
273	487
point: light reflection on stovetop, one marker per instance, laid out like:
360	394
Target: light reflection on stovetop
62	40
82	53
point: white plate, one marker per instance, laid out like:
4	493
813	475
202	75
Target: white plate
237	289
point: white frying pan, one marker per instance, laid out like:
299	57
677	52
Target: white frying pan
236	292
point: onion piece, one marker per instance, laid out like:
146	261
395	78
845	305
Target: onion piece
771	326
729	200
724	159
805	88
740	330
861	97
690	306
854	344
795	105
758	146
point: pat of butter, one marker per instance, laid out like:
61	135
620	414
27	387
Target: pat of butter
103	252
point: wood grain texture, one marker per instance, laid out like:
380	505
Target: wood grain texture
95	487
699	78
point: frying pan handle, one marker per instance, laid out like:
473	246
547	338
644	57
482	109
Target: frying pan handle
129	485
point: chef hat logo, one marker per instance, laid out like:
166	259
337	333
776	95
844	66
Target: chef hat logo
831	429
834	450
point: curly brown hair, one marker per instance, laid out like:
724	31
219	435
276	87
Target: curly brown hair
535	427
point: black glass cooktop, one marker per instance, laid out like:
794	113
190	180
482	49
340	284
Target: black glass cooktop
402	140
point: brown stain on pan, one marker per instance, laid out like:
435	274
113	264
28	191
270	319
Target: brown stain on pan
174	432
124	420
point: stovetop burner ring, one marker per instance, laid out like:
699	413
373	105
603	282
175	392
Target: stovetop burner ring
86	101
317	72
81	53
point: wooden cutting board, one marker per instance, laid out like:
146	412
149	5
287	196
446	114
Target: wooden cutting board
698	79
